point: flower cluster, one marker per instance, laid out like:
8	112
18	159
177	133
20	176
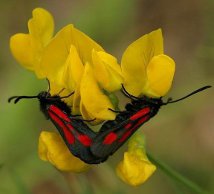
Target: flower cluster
73	61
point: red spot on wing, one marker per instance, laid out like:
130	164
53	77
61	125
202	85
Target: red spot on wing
68	135
140	113
128	126
141	121
110	138
85	140
127	134
59	113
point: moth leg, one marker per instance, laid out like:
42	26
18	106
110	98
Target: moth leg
115	111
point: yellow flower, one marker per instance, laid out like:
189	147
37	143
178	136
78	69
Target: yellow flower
65	60
146	70
93	103
106	70
53	149
27	48
135	168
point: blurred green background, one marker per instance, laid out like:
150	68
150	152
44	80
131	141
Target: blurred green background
181	134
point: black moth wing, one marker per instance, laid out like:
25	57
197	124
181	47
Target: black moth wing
75	133
114	134
102	149
84	150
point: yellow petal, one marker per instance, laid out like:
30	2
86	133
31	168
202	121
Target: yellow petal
136	58
85	45
70	73
53	149
27	48
56	53
41	26
135	170
20	45
160	73
107	71
76	101
155	44
88	116
76	64
93	99
68	77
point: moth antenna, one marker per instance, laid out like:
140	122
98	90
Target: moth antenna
67	95
61	91
125	92
88	120
17	98
192	93
49	88
115	111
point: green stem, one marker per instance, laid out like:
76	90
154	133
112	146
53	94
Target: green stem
176	176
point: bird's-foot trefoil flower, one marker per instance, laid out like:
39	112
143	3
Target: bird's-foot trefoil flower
135	168
28	48
52	148
146	69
